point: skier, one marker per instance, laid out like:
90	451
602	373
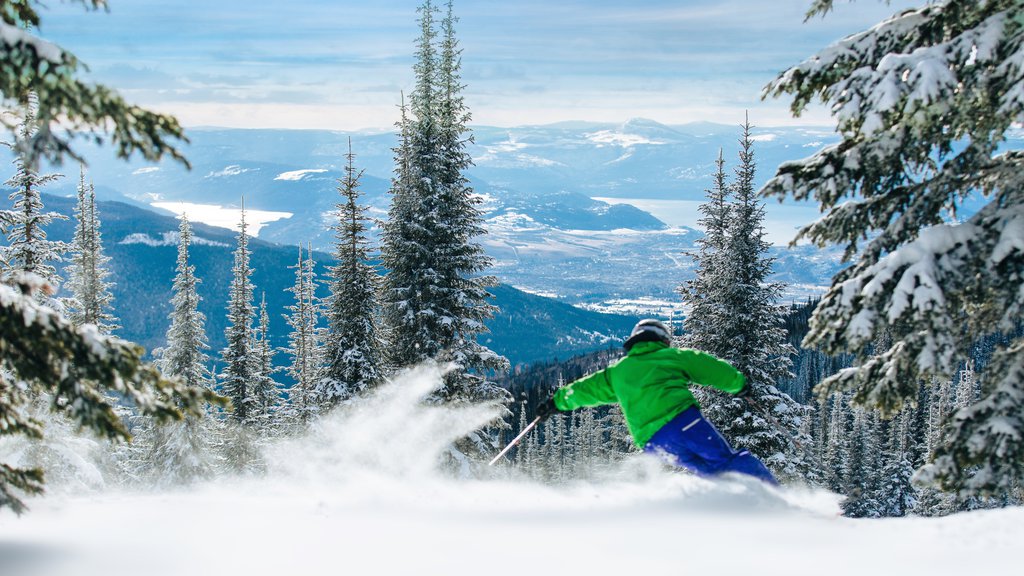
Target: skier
652	384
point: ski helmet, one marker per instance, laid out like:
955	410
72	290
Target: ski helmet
648	330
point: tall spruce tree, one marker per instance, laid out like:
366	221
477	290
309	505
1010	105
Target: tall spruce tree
180	452
704	295
306	396
237	376
467	297
185	355
743	323
434	302
354	351
266	398
923	102
91	299
28	250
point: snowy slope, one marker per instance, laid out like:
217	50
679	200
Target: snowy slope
359	496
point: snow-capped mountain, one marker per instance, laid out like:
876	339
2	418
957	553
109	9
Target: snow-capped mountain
560	201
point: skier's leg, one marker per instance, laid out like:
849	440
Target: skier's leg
698	445
669	445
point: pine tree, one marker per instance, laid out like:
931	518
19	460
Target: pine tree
67	106
704	294
897	495
40	352
834	460
185	356
744	320
91	300
179	452
266	398
354	356
435	305
28	250
307	398
466	297
237	376
923	102
863	473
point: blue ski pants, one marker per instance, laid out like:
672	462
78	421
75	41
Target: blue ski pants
690	441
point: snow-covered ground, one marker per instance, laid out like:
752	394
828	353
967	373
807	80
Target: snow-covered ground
359	496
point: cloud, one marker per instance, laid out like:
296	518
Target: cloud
530	59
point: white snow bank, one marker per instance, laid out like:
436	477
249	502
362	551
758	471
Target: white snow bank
620	139
360	496
298	174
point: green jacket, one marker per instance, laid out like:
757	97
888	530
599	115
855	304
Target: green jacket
652	384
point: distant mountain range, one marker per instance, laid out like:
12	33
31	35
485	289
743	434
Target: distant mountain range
143	248
539	187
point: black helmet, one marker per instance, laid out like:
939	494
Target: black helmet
649	330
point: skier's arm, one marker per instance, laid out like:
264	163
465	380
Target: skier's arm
706	370
592	390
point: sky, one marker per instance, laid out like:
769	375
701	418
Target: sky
343	64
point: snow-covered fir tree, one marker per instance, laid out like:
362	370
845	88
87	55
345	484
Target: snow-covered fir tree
28	250
237	376
433	300
863	474
91	301
266	398
354	351
834	459
467	298
180	452
897	495
742	322
306	397
704	295
923	101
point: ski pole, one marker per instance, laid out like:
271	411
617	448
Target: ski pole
515	440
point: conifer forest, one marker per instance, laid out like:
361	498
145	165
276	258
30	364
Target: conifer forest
376	396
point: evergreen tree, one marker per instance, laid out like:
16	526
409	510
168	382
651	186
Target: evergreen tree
238	375
41	352
28	251
466	297
303	344
179	452
863	471
91	300
67	106
434	303
834	460
354	356
896	493
265	395
704	294
923	102
185	356
744	321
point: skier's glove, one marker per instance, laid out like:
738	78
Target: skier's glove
546	408
745	391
